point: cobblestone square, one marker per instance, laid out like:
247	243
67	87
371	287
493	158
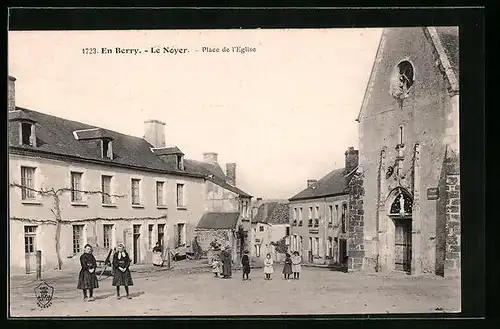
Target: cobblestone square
196	292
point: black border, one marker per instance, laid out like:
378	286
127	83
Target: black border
472	69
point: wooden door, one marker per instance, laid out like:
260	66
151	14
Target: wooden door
402	248
343	252
30	248
137	244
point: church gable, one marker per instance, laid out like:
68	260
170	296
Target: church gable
410	63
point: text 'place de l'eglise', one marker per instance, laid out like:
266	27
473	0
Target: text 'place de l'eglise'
393	206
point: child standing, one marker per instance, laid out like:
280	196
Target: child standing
268	267
296	260
216	266
121	276
287	269
87	280
245	261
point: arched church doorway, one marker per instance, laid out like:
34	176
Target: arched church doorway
401	215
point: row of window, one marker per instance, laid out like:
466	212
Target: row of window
313	247
30	233
28	189
333	215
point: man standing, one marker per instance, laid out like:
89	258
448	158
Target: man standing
226	263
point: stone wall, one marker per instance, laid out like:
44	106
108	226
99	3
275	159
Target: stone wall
453	253
224	238
355	246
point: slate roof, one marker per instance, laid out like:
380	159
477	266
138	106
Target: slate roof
55	136
277	213
218	221
214	174
334	183
94	133
450	40
168	151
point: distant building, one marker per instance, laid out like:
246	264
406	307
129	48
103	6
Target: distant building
226	207
270	224
319	215
407	213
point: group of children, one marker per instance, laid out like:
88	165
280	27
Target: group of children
87	280
292	266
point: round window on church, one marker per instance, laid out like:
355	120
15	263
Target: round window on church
402	205
402	79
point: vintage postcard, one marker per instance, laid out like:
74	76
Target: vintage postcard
234	172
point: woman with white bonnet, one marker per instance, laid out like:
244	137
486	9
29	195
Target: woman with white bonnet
121	276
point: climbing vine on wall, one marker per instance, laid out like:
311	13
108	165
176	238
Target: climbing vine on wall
55	194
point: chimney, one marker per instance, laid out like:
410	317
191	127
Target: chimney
231	173
351	159
311	182
154	133
12	94
210	157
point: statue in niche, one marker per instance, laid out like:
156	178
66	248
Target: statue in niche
390	171
401	204
401	81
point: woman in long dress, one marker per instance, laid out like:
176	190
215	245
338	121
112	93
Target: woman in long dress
287	268
87	280
122	277
296	268
268	267
157	260
226	264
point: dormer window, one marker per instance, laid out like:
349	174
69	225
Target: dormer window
180	162
27	133
106	149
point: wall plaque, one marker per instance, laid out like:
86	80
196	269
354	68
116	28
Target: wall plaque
313	231
432	193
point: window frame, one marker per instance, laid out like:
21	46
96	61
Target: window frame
182	198
107	228
163	204
106	196
135	199
30	236
81	241
76	191
28	191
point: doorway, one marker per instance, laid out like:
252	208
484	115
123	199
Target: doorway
402	245
30	248
137	243
343	252
161	234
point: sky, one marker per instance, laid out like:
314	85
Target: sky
284	113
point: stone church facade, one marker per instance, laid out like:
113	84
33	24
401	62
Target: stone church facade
406	213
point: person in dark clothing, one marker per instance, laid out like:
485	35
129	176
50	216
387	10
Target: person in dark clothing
245	261
122	277
157	247
157	252
287	269
87	280
226	263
